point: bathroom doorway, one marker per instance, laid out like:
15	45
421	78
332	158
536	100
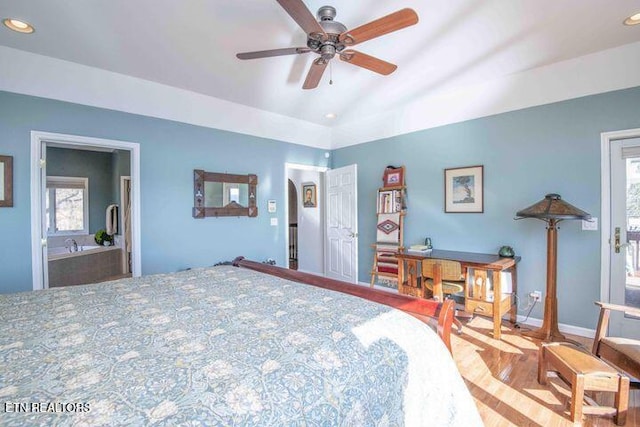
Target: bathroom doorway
86	214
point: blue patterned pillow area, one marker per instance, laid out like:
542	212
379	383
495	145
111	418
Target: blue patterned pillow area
220	346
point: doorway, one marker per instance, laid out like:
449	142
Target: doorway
54	198
292	220
305	232
620	282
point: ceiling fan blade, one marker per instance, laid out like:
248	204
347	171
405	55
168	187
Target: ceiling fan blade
315	74
387	24
367	61
273	52
299	12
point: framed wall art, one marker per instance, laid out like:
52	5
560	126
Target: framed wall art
464	190
393	177
310	199
6	181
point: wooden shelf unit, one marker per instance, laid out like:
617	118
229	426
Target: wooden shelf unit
390	199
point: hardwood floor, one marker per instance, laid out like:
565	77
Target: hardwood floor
502	377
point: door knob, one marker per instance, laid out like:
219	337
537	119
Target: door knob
352	234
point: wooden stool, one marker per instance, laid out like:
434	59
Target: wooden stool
584	372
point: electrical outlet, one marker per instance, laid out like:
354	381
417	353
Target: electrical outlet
536	295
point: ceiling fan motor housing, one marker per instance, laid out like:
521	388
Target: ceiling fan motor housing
328	47
326	13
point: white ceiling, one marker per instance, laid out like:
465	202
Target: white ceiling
191	44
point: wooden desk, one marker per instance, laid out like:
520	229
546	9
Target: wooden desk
477	299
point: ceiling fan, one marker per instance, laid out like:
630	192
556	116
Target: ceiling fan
329	38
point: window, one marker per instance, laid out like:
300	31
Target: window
67	205
234	195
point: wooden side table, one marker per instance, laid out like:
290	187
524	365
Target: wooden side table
584	372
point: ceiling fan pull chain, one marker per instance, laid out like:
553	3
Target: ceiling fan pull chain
330	73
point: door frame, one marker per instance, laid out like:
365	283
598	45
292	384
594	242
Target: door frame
121	223
287	167
38	138
606	138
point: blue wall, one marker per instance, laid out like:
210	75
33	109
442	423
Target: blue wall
526	154
98	167
171	238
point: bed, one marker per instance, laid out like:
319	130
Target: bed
221	346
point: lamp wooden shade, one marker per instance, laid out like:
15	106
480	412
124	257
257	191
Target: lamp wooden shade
552	209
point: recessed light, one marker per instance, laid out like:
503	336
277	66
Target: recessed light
633	20
331	115
17	25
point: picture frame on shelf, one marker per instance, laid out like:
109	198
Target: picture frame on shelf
464	189
309	196
393	177
6	181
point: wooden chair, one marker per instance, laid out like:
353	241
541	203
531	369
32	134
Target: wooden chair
445	319
451	277
443	277
623	353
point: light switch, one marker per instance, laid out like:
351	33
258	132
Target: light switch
274	222
590	225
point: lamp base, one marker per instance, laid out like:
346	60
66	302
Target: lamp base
545	335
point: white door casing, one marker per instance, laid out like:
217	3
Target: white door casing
623	270
38	186
341	246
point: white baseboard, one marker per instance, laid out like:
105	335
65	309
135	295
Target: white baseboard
568	329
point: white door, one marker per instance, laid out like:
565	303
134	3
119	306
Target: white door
341	248
625	235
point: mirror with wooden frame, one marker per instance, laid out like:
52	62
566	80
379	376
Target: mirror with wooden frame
6	181
224	194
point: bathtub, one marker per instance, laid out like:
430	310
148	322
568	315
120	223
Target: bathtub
63	252
89	264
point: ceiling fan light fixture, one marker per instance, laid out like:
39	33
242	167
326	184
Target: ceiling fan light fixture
18	25
633	20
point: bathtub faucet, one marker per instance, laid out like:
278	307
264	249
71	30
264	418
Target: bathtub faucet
71	244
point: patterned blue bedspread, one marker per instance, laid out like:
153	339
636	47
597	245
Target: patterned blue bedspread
220	346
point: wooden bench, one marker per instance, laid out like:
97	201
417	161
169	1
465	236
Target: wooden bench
584	372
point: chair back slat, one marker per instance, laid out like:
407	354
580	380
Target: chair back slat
451	270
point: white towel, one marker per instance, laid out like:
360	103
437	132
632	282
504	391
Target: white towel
111	220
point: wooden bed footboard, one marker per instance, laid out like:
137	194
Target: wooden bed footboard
420	308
